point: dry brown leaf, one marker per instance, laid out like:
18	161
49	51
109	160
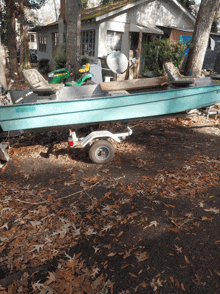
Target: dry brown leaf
120	234
178	249
133	275
127	254
186	259
111	254
124	266
50	279
143	284
205	218
2	248
98	280
142	256
182	287
172	279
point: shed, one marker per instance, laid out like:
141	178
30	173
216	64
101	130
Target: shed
185	35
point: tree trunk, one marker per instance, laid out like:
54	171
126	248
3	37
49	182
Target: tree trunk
12	45
201	36
73	37
2	68
26	49
21	19
55	9
138	51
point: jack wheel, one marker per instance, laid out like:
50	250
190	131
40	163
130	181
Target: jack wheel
102	151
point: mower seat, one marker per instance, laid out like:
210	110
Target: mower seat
86	69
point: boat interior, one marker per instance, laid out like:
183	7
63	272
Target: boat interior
101	90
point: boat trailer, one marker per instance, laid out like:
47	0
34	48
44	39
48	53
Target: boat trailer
102	150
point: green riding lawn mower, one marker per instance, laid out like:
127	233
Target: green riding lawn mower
116	61
91	73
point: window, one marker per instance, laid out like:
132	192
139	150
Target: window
43	44
31	38
54	40
88	42
114	40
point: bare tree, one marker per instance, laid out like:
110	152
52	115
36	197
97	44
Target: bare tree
200	38
73	37
11	42
2	67
15	9
24	47
55	9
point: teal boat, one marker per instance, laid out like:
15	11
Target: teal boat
74	107
89	105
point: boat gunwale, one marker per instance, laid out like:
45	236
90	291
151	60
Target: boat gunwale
115	97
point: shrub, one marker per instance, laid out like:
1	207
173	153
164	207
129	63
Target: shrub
160	51
43	65
85	59
60	62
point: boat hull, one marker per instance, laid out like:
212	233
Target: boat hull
115	108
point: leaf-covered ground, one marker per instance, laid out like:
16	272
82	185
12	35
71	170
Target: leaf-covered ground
148	222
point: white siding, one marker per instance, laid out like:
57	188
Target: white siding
116	27
156	13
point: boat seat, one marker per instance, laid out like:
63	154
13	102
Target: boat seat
39	85
174	75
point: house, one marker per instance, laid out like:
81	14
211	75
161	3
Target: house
117	26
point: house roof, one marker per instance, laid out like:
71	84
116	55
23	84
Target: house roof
185	30
100	13
39	28
92	13
145	29
111	9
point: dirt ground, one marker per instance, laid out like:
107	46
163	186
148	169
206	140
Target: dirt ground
147	222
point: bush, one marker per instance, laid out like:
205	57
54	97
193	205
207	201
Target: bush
85	59
60	62
159	51
43	65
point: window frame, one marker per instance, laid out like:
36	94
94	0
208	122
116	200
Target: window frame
42	43
31	38
88	40
55	39
112	40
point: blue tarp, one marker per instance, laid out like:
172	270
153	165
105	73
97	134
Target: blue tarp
185	40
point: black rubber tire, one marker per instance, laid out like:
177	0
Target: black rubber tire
102	151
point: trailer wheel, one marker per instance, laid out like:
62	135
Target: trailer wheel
102	151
